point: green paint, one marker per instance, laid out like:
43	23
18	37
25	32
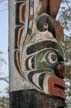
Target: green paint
41	62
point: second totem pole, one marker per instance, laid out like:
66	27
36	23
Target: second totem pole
36	55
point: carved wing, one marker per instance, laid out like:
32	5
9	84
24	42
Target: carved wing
50	6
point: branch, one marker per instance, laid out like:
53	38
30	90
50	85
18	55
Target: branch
4	79
67	4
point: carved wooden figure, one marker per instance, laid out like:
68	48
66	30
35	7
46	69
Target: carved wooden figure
50	6
36	55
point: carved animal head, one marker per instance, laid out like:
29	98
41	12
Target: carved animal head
44	66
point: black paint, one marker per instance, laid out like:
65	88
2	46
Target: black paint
44	44
18	13
45	20
16	36
32	62
34	99
41	78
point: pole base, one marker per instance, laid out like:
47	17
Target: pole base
34	99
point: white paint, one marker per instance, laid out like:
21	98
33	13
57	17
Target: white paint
30	63
36	79
45	83
16	81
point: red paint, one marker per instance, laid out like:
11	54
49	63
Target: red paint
56	87
18	60
22	13
60	69
51	7
20	31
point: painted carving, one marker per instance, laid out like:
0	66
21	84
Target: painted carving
50	6
39	56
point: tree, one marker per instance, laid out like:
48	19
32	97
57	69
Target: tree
65	19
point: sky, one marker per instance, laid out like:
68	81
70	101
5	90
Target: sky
4	69
3	45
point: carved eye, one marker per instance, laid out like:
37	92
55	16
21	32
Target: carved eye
51	57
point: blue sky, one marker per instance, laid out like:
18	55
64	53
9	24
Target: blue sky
3	44
3	28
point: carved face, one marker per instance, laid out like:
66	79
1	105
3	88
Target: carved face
40	60
44	67
45	59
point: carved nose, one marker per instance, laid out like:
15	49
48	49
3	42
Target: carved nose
60	69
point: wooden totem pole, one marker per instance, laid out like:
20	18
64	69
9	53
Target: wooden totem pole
36	61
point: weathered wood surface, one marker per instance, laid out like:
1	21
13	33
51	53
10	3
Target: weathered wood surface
59	32
50	6
34	99
36	55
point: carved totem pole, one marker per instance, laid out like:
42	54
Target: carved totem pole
36	55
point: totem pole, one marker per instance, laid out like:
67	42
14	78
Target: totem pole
36	57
